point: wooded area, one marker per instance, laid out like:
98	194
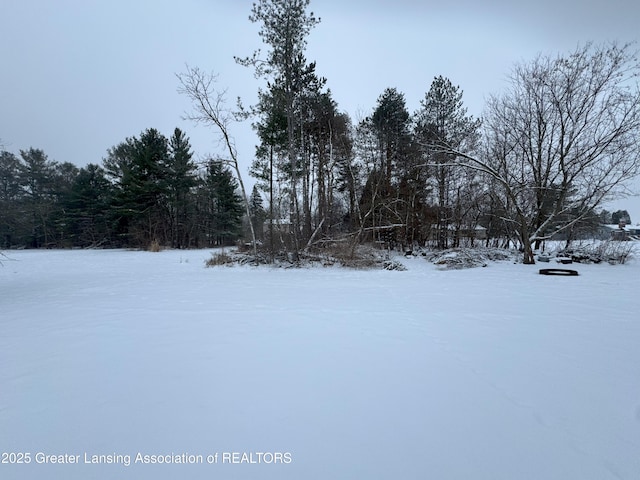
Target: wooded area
147	192
551	149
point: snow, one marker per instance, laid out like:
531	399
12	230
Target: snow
488	373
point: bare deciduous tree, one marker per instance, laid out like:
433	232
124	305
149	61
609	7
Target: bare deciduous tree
209	108
563	139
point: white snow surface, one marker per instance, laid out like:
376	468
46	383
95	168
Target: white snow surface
489	373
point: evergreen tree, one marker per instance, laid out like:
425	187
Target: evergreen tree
619	216
443	120
32	199
258	213
181	180
387	137
11	196
267	165
391	123
62	178
327	141
87	208
285	25
223	208
36	179
139	168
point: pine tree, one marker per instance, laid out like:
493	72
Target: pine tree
285	25
442	119
36	175
619	216
181	180
11	198
391	121
386	137
139	168
223	208
258	213
63	176
87	207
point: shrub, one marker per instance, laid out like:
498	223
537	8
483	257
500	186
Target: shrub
459	258
393	265
220	258
610	251
154	247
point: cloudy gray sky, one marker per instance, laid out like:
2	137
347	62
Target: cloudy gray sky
79	76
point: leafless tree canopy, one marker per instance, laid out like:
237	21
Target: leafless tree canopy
210	108
562	139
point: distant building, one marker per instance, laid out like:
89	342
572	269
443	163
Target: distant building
622	231
463	232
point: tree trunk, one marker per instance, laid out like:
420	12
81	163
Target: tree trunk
443	232
528	258
271	203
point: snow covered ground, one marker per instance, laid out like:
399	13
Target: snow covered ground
325	373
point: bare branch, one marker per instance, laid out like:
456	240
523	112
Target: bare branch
562	140
209	108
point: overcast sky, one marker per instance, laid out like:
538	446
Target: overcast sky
79	76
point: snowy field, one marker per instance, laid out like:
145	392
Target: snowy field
496	373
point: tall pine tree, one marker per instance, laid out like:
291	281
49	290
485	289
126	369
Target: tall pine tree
221	206
139	168
443	120
87	208
181	180
284	27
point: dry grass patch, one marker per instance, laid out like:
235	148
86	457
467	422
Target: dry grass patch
154	247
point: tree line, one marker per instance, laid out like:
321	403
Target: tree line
148	190
547	154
